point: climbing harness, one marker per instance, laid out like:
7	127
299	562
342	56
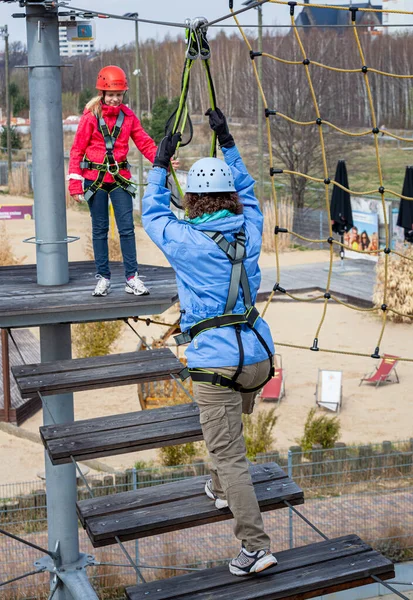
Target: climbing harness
197	46
235	252
109	165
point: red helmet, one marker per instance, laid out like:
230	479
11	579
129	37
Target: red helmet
112	78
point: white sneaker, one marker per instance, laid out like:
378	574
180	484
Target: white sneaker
102	287
136	286
219	502
247	563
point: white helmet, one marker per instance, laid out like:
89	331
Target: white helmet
210	175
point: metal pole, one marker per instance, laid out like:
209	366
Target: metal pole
8	103
138	111
290	512
45	90
61	493
52	261
260	114
135	487
6	373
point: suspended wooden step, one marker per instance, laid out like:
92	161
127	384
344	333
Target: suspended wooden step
97	372
313	570
119	434
178	505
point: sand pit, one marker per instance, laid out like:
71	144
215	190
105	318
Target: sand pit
368	414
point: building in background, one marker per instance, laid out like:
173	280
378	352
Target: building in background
311	16
76	37
404	22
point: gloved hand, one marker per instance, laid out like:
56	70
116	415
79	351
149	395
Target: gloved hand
218	123
166	150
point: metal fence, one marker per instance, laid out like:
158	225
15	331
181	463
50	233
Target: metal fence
366	490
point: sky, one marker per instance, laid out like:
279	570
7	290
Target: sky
110	32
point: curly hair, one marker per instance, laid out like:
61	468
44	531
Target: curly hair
198	204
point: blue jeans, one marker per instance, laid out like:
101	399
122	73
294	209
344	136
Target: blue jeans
99	211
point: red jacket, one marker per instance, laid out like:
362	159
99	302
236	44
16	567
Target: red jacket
89	142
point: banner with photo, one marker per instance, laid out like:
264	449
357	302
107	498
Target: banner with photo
364	235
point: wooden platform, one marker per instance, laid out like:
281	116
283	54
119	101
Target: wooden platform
354	283
119	434
97	372
21	409
178	505
24	303
305	572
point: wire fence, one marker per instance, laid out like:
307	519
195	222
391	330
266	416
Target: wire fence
367	490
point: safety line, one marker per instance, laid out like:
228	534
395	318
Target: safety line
130	559
19	577
141	566
177	381
31	544
120	17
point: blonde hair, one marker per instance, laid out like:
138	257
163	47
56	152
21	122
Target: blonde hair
95	106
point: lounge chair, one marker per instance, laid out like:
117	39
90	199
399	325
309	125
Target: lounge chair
384	373
329	390
274	390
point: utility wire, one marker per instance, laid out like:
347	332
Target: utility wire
122	17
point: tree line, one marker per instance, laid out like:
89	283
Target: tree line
342	96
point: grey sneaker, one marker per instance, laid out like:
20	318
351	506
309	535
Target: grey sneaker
134	285
102	287
219	502
247	563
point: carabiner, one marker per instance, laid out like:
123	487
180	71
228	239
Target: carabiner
109	168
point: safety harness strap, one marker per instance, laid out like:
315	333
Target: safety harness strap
109	165
235	252
90	165
203	376
247	318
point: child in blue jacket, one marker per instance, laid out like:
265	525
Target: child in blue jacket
214	253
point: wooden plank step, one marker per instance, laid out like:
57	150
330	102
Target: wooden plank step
97	372
322	568
119	434
178	505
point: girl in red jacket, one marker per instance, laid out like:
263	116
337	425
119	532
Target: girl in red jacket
98	168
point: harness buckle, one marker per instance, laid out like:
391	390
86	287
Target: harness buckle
109	168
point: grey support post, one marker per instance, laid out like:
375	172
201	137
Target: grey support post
53	269
45	90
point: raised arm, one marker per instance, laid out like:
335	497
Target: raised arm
159	221
244	183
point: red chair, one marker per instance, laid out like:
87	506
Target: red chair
383	372
274	390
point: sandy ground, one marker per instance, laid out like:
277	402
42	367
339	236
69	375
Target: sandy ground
368	414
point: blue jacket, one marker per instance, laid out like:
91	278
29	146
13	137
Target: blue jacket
203	271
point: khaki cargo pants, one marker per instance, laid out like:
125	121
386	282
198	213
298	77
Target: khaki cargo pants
221	420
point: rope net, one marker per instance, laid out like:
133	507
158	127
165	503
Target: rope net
385	251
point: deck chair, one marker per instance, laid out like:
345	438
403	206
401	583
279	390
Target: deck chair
384	372
329	390
274	390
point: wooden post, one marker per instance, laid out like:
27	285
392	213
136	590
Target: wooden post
6	374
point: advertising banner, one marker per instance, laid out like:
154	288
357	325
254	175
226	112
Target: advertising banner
80	31
8	211
364	235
